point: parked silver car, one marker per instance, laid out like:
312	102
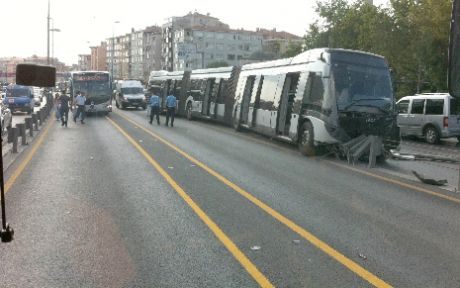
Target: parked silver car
430	115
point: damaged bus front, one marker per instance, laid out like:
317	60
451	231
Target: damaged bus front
334	98
366	114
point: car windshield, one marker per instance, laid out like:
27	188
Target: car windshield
132	90
273	153
18	92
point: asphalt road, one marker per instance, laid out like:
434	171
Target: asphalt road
120	203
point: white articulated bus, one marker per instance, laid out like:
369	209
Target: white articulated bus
210	94
318	98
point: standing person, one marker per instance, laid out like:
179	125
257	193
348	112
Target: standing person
57	104
80	102
64	109
154	108
171	103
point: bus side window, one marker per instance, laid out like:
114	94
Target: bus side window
314	92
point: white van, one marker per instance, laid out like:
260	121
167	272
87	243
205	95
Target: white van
130	93
429	115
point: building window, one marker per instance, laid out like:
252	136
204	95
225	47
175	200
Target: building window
231	57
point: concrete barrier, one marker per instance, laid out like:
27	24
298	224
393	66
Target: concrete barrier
35	121
15	133
30	126
22	133
40	117
10	136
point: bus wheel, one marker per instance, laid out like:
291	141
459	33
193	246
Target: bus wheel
188	111
306	140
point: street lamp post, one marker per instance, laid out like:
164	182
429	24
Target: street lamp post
48	35
113	51
52	40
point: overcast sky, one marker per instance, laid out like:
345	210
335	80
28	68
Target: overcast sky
88	22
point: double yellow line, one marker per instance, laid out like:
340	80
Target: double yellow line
247	264
226	241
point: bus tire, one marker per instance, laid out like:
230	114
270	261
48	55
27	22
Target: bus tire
306	140
188	111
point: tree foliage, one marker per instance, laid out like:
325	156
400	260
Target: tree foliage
411	34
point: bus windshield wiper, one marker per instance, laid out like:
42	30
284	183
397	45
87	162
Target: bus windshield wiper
355	102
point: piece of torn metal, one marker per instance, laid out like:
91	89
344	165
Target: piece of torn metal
430	181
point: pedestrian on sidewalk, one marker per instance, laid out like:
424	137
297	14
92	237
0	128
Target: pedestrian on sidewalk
80	101
64	111
57	103
155	108
171	103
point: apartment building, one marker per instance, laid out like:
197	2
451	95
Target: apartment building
99	57
84	62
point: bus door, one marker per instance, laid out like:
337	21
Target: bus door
207	96
254	102
215	95
287	103
247	95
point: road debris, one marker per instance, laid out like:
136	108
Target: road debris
362	256
430	181
255	248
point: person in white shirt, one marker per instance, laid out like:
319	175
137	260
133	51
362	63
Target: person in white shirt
80	102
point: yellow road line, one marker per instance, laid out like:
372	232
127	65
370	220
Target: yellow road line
29	157
339	257
226	241
397	182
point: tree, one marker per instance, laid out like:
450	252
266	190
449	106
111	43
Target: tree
412	35
217	64
293	49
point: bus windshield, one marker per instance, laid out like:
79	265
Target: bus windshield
357	84
95	87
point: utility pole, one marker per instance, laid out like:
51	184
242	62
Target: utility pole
48	36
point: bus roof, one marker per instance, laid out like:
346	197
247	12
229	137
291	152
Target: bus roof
304	57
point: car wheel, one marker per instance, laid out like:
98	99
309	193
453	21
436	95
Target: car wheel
30	111
431	135
189	111
306	140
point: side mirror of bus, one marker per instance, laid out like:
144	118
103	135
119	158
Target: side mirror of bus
35	75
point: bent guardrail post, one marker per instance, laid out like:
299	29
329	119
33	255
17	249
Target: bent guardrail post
22	132
15	132
30	126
